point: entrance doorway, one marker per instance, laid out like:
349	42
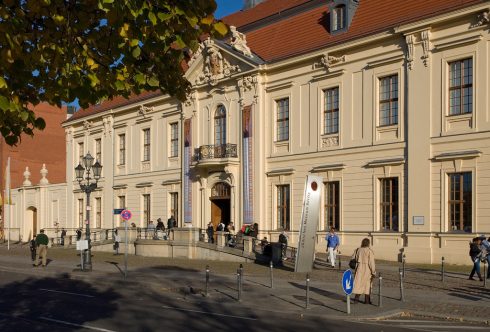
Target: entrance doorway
32	219
220	204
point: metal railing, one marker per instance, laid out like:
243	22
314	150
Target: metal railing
152	234
216	151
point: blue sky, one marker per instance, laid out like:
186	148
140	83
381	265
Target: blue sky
226	7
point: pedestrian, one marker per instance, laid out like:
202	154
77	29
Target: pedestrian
485	246
264	242
220	227
63	235
32	247
231	234
79	234
170	222
117	240
364	272
210	232
333	243
42	246
283	240
475	255
150	230
254	230
160	225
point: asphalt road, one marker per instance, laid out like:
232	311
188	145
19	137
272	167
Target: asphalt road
30	302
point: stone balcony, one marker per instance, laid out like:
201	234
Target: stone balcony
214	155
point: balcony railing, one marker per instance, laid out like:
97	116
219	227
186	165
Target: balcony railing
216	151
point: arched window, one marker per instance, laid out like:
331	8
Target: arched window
338	18
220	126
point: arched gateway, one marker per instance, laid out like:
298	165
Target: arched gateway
220	203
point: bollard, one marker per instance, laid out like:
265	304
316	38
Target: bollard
402	293
380	301
403	265
239	285
272	277
340	264
207	281
442	269
307	291
348	304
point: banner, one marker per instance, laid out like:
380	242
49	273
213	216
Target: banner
187	171
309	224
248	212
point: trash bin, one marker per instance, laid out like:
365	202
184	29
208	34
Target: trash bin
276	253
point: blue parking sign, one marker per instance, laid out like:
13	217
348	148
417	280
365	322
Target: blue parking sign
348	282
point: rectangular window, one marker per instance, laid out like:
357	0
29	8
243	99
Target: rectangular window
146	144
332	205
121	202
460	202
389	204
80	212
461	87
98	150
146	209
283	207
98	212
388	100
331	111
122	149
174	139
80	153
174	205
282	119
339	18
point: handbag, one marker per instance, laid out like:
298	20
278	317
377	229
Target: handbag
353	261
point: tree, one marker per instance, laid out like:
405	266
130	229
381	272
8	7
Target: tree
58	50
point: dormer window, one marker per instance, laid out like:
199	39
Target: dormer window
341	15
338	18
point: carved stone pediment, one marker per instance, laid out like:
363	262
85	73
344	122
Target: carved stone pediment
216	66
212	63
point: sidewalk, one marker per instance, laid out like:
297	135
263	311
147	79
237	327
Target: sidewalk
458	298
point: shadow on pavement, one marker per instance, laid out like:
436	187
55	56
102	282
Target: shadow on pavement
34	301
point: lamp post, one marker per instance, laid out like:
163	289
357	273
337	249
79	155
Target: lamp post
87	185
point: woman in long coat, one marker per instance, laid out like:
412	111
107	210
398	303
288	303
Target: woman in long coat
365	271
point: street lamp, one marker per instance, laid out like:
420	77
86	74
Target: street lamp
87	186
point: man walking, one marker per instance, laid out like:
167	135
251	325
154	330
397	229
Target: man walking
63	235
42	245
485	245
333	243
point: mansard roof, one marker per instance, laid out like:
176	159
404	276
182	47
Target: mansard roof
278	29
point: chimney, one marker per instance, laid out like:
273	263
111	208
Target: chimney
251	3
70	110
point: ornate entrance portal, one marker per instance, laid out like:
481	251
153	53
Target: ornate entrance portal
220	204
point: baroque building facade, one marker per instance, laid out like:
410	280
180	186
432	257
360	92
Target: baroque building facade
389	104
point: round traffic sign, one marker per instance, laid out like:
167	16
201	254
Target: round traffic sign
126	214
348	282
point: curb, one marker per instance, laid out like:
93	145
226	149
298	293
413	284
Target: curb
416	313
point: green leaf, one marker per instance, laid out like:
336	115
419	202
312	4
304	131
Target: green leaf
134	42
119	85
139	78
136	52
4	103
153	81
221	28
152	18
3	83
